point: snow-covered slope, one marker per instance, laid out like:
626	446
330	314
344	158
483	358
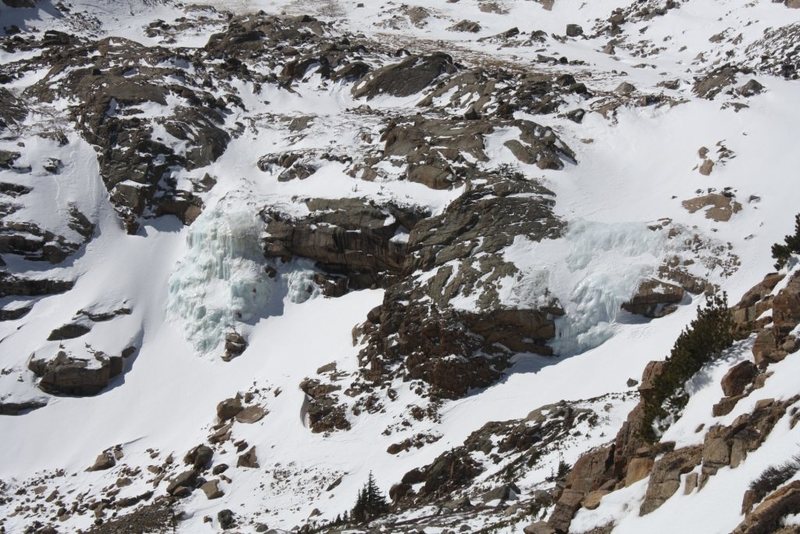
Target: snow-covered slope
437	242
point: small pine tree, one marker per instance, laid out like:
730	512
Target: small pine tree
782	252
370	502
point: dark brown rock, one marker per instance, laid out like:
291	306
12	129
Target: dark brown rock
212	489
185	480
69	331
655	298
105	460
68	375
738	378
235	345
324	412
406	78
248	459
228	408
199	457
574	30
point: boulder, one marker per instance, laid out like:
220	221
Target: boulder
768	516
593	498
625	89
322	407
750	88
7	158
738	378
212	490
228	408
706	167
465	25
503	493
715	81
199	457
574	30
69	331
235	345
185	480
227	520
248	459
250	414
105	460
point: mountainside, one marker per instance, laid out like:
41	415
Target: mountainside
509	264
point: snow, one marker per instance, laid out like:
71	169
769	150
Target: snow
188	286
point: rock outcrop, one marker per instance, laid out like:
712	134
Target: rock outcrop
405	78
451	348
69	375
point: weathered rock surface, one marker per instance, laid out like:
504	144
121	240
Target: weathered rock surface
405	78
248	459
105	460
515	441
738	378
250	415
324	412
442	153
425	330
229	408
665	478
768	516
70	375
199	457
352	238
212	489
655	298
